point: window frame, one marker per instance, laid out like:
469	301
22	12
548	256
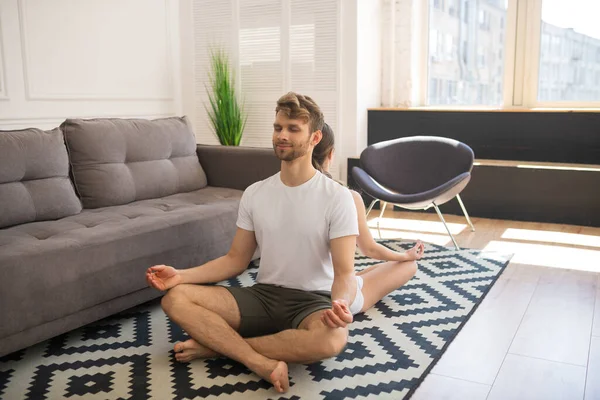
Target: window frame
521	61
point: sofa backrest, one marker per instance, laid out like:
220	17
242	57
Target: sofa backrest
118	161
34	177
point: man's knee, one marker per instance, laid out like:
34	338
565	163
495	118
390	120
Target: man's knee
334	342
174	297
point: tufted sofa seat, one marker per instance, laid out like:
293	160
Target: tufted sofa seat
59	274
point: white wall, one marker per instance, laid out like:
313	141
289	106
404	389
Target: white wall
369	65
92	58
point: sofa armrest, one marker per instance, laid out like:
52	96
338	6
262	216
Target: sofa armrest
236	167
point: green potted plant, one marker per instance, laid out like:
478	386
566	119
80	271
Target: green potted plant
226	114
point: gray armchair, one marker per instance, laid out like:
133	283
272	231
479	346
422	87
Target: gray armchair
415	173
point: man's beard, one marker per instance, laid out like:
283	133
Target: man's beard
291	153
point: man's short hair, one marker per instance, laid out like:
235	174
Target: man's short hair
297	106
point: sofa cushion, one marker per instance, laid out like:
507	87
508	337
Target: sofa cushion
34	177
53	269
118	161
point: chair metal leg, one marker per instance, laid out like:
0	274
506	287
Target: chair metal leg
439	213
465	212
371	206
383	206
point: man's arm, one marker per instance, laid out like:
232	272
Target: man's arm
225	267
344	280
343	290
343	229
164	277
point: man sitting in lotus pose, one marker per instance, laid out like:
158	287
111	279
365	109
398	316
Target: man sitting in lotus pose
306	291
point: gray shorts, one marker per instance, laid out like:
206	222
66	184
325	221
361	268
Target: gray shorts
268	309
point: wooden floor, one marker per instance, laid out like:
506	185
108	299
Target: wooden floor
537	333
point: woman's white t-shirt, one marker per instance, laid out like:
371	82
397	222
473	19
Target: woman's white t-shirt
293	227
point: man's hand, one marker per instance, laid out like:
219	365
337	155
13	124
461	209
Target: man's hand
338	316
416	252
163	277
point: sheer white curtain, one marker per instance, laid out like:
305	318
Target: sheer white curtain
399	58
276	46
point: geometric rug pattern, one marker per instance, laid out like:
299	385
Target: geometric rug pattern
390	350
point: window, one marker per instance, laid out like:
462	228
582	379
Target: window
439	4
434	53
448	46
451	90
574	34
481	57
433	89
507	53
472	74
452	7
484	20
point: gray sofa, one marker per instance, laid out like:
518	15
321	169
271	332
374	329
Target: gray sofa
87	207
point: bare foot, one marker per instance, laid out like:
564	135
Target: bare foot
190	350
275	372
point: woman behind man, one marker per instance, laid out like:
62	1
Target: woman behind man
378	280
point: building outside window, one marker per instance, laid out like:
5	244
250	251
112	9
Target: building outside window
470	52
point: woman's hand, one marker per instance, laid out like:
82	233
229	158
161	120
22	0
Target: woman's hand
416	252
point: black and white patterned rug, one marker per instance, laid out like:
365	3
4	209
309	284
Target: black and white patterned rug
391	347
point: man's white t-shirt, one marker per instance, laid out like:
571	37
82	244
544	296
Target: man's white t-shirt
293	227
